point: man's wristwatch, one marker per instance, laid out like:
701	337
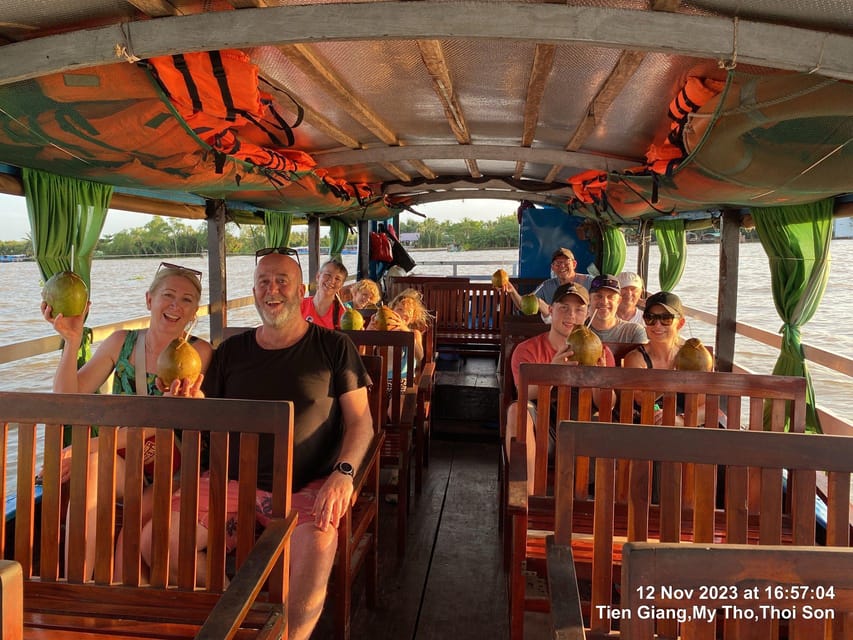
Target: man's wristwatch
345	468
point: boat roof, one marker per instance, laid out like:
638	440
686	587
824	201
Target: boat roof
404	103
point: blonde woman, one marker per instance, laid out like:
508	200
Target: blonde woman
173	300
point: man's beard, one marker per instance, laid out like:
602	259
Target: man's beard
280	319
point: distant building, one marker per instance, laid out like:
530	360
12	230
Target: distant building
843	228
408	239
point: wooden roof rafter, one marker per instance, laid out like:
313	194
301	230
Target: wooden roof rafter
156	8
501	153
624	69
313	66
540	71
432	55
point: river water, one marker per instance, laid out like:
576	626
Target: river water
119	288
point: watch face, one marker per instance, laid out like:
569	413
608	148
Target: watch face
345	467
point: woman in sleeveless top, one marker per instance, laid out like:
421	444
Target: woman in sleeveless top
663	317
173	299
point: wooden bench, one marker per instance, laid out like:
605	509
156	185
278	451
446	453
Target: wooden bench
718	585
398	284
741	396
57	597
514	331
399	414
778	468
469	316
11	600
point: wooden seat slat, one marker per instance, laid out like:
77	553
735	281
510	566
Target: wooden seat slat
742	570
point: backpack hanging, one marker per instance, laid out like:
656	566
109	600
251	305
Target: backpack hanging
380	247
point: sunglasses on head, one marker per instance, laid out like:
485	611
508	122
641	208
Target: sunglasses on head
285	251
664	318
176	267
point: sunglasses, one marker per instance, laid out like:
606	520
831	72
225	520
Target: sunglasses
180	269
664	318
285	251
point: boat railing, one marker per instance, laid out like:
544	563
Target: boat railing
470	265
829	422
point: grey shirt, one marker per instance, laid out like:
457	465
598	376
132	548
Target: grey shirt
621	332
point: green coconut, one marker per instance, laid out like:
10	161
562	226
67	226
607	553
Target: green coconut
586	346
65	293
529	304
693	356
381	316
352	320
179	360
500	279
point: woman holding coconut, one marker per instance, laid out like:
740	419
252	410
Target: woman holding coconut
173	300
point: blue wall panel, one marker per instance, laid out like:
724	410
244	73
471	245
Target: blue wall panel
543	231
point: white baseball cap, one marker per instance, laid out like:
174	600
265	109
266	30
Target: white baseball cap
630	279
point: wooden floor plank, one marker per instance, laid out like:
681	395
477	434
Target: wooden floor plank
401	580
465	596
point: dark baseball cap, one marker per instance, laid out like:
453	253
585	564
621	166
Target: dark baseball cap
668	301
604	282
570	288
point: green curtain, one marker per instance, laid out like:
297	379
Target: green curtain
66	218
338	234
277	228
614	249
796	240
672	244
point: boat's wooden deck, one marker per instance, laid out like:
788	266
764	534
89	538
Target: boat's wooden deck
450	584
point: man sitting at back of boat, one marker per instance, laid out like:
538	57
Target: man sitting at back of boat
569	310
563	265
320	371
604	301
630	290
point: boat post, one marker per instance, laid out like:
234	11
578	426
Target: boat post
215	212
724	349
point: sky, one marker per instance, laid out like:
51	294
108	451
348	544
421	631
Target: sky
14	224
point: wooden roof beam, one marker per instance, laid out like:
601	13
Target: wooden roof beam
624	69
543	63
432	55
501	153
248	4
304	57
772	45
665	5
156	8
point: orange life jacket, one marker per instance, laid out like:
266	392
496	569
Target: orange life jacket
589	186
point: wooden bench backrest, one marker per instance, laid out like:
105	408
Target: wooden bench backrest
783	516
393	346
704	578
469	308
639	390
514	331
40	549
418	283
